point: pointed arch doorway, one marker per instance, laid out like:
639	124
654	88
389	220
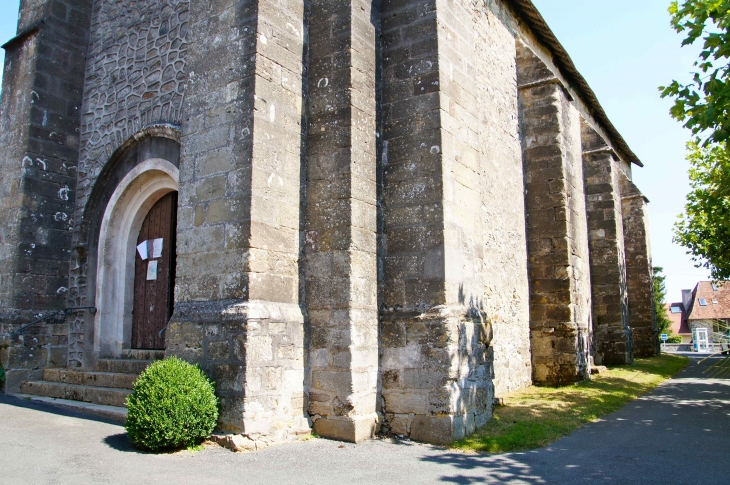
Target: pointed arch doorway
154	275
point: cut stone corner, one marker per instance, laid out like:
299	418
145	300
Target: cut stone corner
345	428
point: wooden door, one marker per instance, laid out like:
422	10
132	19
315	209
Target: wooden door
153	297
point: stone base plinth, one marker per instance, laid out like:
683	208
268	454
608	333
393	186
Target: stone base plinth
254	351
437	373
345	428
613	345
646	342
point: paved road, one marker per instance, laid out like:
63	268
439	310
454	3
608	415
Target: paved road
679	434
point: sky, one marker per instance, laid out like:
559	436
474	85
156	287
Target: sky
625	49
8	25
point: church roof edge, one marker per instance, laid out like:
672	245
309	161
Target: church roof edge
532	17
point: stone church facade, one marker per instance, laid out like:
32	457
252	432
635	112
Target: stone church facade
356	216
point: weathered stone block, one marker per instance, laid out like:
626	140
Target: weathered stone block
218	350
406	402
440	430
354	430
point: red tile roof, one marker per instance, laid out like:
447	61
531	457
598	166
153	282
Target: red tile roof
705	291
679	320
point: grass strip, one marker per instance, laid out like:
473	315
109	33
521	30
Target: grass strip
537	416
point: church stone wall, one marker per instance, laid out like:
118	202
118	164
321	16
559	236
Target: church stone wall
135	76
353	227
485	144
39	141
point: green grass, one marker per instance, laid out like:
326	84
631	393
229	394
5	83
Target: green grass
537	416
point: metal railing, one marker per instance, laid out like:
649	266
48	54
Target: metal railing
24	329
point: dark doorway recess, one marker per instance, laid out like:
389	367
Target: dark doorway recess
153	298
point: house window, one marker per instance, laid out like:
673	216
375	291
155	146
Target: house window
715	287
675	309
714	302
703	302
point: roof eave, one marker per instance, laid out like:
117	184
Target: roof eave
532	17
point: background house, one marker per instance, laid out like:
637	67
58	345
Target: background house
677	314
707	305
710	307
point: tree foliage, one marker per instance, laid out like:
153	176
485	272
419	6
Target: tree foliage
704	104
704	229
660	297
704	107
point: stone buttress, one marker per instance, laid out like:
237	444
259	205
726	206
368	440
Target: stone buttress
341	226
237	290
612	338
454	315
639	270
560	303
39	141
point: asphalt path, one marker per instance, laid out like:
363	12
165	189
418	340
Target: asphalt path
678	434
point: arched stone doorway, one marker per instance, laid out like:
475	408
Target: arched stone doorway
133	215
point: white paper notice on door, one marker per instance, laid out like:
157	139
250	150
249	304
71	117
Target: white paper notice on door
152	271
142	250
157	248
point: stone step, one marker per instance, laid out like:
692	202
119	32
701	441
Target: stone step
122	366
86	378
139	354
113	413
77	392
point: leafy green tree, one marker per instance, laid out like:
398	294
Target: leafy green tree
704	104
704	229
704	107
660	296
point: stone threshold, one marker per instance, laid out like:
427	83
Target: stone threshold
112	413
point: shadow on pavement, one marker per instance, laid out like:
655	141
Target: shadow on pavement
634	445
50	408
120	442
692	393
485	469
478	468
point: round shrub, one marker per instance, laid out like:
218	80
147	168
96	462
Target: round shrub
173	405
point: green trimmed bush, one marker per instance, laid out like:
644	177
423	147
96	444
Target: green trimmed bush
674	339
173	405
